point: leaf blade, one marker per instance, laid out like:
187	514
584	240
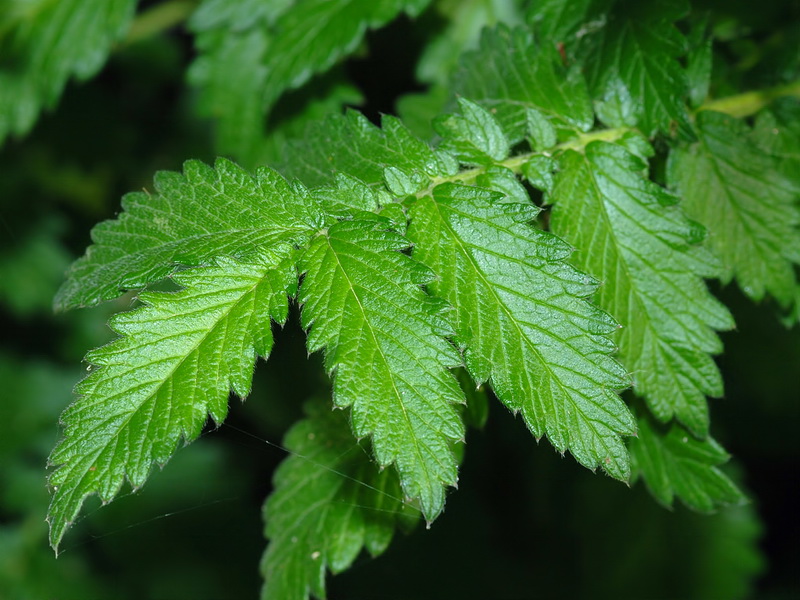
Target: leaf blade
51	42
636	54
253	53
631	236
382	340
521	320
738	192
177	359
511	72
192	218
673	463
329	502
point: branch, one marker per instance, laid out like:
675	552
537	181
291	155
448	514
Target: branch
749	103
157	19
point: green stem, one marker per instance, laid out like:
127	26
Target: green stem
740	105
157	19
749	103
514	163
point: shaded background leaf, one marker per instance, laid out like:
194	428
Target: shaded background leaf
330	502
43	44
632	235
739	193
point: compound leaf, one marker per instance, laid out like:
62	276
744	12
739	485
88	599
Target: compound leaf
522	321
383	344
631	235
673	463
329	501
737	190
190	219
177	360
43	44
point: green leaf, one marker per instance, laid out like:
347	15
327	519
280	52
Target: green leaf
638	50
538	170
230	78
503	180
738	192
474	137
732	557
699	61
631	235
777	132
658	553
510	73
567	21
542	133
254	52
319	99
314	34
383	344
616	108
329	502
174	365
522	321
41	253
348	196
34	393
463	22
190	219
43	44
673	463
417	111
236	15
351	144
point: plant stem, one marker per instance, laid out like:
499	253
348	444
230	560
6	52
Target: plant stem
157	19
749	103
514	163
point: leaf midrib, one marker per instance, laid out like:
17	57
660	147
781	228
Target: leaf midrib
398	396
